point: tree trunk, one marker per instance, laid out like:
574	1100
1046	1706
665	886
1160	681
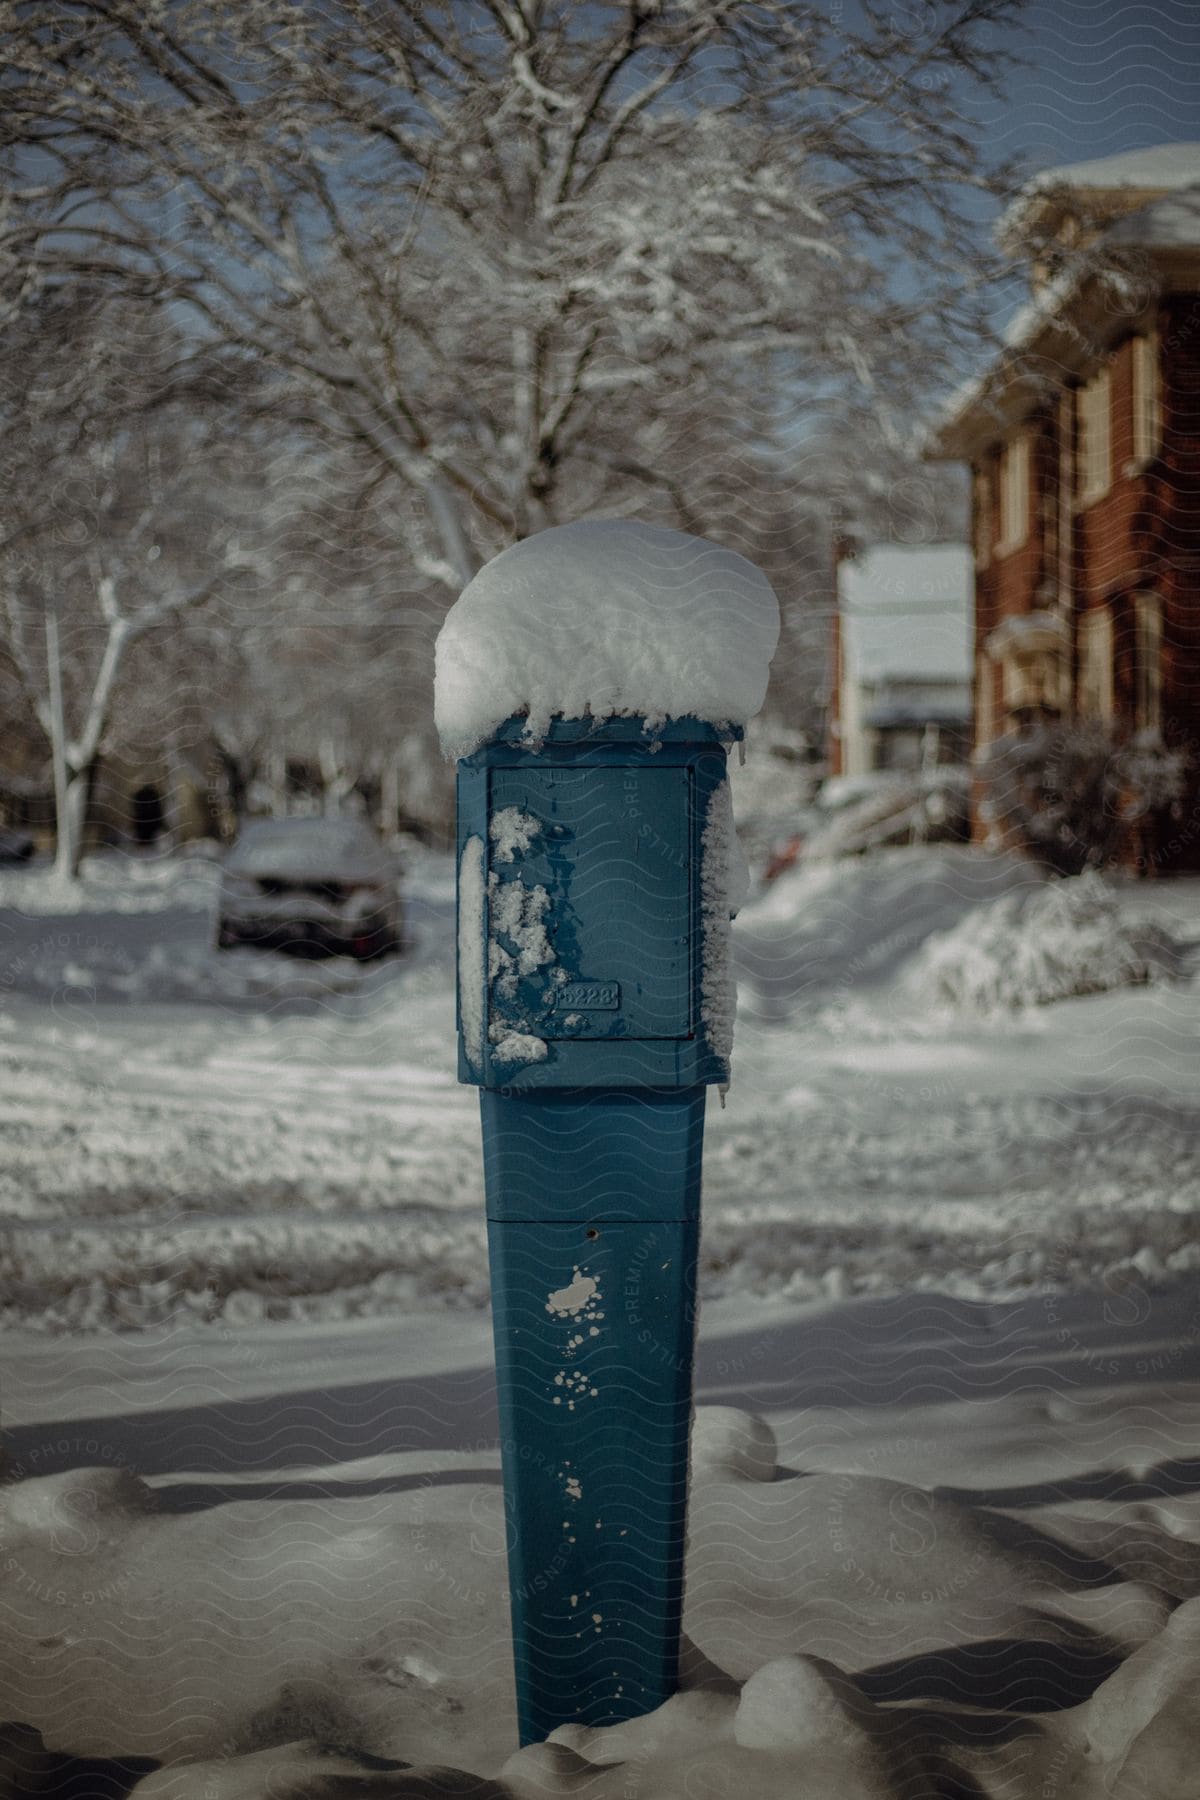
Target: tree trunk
278	784
336	780
389	798
236	775
72	823
176	810
66	858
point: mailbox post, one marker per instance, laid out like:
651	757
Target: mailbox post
588	957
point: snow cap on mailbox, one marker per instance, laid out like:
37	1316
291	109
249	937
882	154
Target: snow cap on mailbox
606	617
589	680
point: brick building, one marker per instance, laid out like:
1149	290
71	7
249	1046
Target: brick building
1083	441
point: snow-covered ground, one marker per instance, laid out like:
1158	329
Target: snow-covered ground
953	1550
245	1135
249	1502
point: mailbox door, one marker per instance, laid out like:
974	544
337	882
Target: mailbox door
601	986
607	874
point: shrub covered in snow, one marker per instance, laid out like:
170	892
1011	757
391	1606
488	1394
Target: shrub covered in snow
1070	792
1054	943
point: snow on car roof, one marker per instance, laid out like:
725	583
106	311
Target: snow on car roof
605	617
344	849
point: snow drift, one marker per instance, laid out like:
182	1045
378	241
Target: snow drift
836	1622
829	926
289	1142
1060	942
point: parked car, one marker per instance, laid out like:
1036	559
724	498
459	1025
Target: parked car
16	846
314	884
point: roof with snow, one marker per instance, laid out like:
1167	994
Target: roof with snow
1159	224
1159	165
1166	221
906	613
1157	169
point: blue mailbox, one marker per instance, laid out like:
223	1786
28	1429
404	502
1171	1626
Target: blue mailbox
588	961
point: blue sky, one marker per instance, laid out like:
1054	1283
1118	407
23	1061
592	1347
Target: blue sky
1102	78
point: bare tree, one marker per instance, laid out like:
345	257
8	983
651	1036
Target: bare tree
331	665
114	534
534	260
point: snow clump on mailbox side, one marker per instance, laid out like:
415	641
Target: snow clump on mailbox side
602	618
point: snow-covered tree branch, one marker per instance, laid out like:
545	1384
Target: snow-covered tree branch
514	253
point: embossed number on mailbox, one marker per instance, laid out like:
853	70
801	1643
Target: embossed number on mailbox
589	996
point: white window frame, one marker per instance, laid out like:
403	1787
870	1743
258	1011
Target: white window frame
1014	494
1038	678
1147	401
1094	413
1147	661
1095	692
985	701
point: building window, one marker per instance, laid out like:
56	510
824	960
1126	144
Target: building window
1095	438
983	518
899	750
1096	664
1146	425
1032	685
1014	495
985	707
1147	613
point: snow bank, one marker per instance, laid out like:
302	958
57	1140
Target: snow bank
931	887
849	1635
829	927
115	883
307	1153
96	967
136	930
728	1441
1071	938
608	616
